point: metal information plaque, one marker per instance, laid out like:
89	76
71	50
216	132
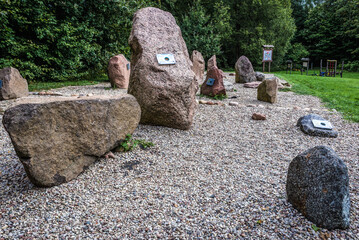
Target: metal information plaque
164	59
322	124
128	66
0	83
210	81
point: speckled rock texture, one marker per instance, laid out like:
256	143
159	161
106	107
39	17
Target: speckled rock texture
13	84
260	76
198	65
318	186
58	139
244	71
119	70
268	90
306	125
166	93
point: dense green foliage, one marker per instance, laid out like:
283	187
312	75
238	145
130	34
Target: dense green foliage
62	40
50	40
329	30
337	93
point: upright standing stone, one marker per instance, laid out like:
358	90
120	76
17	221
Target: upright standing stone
12	85
267	91
212	62
166	93
119	71
213	85
244	71
198	65
318	186
57	138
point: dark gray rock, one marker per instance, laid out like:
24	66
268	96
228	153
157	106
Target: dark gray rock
318	186
306	125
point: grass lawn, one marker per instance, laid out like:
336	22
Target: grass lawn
341	94
39	86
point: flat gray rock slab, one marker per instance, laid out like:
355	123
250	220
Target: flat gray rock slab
306	125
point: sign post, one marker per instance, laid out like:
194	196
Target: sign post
267	55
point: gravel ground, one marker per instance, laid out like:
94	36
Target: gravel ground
224	178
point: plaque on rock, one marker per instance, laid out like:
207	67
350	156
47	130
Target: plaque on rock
164	59
210	81
0	84
322	124
128	66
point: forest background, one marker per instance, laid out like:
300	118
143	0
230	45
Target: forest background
51	40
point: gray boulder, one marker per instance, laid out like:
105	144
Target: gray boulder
306	125
260	76
166	93
57	138
244	71
318	186
13	85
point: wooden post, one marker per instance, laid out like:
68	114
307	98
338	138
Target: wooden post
269	67
307	67
291	67
321	64
335	70
327	67
263	66
341	73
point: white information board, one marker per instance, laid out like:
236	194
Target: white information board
166	59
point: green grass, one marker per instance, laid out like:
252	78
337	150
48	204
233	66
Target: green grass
341	94
40	86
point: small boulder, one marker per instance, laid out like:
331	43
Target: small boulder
57	138
252	84
119	71
213	85
198	65
244	70
306	125
166	93
267	91
12	84
318	187
258	116
260	76
233	104
228	86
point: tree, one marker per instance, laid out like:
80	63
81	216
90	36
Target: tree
332	30
49	40
256	23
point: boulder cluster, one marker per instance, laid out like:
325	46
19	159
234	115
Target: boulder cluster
57	138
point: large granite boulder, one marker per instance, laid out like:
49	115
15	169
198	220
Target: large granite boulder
318	186
244	71
213	85
306	125
198	65
119	71
267	91
12	84
58	138
166	93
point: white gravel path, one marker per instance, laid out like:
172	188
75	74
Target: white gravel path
224	178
